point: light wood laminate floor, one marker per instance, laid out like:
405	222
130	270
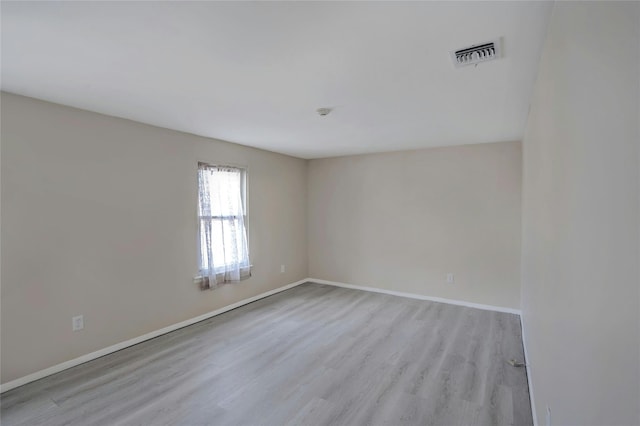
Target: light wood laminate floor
312	355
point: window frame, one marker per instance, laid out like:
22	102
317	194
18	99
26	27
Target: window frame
244	189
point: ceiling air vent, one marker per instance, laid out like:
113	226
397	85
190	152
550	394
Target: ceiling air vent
476	54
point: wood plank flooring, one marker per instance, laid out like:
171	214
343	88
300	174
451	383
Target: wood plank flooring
312	355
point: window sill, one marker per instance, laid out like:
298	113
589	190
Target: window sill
199	278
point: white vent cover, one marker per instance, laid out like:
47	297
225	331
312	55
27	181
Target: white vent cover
476	54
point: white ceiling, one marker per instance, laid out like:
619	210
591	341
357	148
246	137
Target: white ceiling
254	73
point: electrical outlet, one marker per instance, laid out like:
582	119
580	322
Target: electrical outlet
77	323
450	279
282	269
548	416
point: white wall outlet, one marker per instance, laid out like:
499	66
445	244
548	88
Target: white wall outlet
548	416
450	278
77	323
282	269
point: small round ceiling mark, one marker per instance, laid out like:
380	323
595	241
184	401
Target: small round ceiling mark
323	111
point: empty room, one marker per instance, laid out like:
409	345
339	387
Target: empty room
320	213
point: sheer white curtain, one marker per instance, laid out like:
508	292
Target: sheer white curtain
224	253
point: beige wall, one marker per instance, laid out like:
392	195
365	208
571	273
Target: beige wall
403	220
99	219
581	218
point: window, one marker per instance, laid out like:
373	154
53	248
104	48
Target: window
224	252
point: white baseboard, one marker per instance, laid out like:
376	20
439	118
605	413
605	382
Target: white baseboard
122	345
419	296
529	378
119	346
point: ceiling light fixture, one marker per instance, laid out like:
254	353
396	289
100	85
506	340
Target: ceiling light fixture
323	111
